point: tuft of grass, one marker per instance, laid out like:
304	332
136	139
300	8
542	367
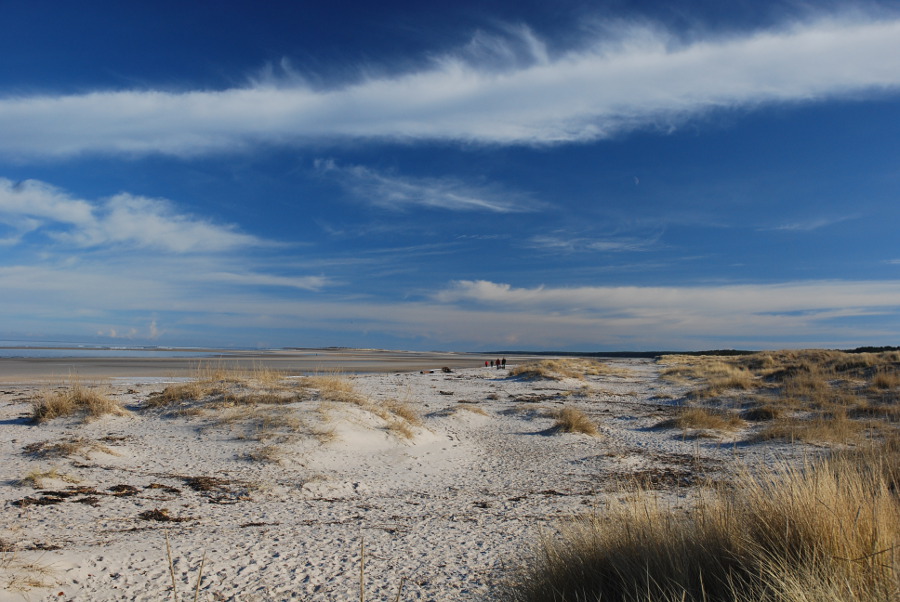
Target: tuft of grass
182	392
762	413
836	428
36	478
401	428
701	418
404	410
216	386
572	420
825	531
272	454
465	407
74	399
19	575
66	448
334	387
683	368
557	369
886	378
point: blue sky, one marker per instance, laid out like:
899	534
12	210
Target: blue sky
602	175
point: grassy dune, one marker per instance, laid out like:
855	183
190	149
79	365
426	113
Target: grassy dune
828	531
813	396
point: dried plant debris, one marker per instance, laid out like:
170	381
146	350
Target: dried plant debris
163	488
162	515
218	491
66	448
124	490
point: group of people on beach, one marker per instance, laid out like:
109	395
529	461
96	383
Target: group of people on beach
501	363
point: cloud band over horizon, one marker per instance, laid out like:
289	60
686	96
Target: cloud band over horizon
643	77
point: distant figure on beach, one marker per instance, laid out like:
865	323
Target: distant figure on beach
504	363
498	364
485	363
492	363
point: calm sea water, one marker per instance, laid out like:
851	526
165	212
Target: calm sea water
64	349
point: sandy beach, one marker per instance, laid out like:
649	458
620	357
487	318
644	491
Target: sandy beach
286	501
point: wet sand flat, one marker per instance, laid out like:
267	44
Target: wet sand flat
305	361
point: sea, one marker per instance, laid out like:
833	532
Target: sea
26	349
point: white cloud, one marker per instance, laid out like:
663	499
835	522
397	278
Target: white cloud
124	219
399	192
467	314
665	315
309	283
113	262
699	301
644	77
811	224
572	244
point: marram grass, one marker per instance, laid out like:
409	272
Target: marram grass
828	531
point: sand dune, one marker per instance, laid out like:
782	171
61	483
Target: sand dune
282	497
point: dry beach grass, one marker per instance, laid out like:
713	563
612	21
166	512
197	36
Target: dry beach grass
753	477
828	530
73	398
814	396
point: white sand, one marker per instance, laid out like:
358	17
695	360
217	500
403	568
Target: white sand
446	513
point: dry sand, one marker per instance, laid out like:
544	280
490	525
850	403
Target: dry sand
445	514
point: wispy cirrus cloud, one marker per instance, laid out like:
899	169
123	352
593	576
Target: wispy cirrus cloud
815	223
398	192
643	76
121	220
309	283
608	244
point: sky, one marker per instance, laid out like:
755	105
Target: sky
568	175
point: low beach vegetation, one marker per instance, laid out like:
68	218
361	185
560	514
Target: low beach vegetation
257	405
468	407
72	446
573	420
20	575
558	369
811	396
828	530
702	418
74	399
38	478
216	387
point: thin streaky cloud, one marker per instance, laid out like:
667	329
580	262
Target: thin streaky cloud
309	283
757	299
812	224
644	77
397	192
574	244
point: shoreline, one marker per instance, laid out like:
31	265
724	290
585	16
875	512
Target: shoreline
25	370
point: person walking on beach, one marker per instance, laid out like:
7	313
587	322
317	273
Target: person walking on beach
504	363
492	363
